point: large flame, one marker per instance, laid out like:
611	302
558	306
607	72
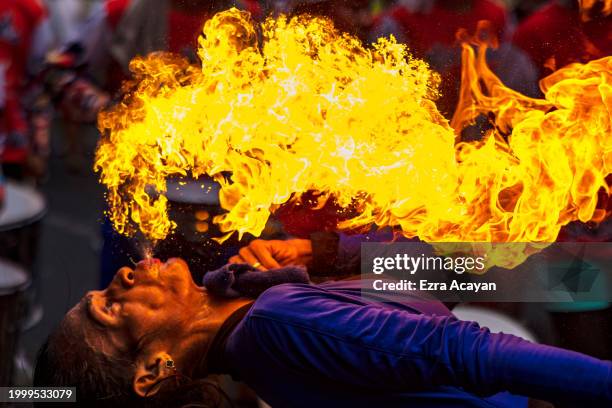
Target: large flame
299	106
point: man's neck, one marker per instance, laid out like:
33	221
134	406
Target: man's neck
213	312
206	324
223	308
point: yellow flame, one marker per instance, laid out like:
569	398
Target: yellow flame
308	108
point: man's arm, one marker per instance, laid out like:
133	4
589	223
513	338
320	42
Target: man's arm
325	253
243	280
274	254
394	350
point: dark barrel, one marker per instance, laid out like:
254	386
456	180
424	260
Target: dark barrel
13	282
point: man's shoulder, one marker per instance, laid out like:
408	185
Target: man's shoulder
280	297
296	300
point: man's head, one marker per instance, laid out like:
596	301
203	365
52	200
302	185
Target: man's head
121	343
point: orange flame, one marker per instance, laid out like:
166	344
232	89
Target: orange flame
587	6
308	108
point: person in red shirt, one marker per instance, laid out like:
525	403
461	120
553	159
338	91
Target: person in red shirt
116	32
88	70
435	23
559	34
24	37
430	31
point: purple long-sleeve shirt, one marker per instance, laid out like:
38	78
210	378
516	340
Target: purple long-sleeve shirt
325	345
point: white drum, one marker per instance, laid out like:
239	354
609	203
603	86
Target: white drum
23	208
22	205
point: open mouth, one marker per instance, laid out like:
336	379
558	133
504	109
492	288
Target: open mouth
151	266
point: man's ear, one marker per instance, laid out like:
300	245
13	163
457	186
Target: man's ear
150	372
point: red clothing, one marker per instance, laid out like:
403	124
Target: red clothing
252	6
114	10
431	35
555	36
307	216
81	100
19	20
439	26
184	28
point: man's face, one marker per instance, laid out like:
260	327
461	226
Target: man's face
153	298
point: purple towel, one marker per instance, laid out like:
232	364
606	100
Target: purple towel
236	280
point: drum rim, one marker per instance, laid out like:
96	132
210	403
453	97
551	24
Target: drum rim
17	288
15	225
23	223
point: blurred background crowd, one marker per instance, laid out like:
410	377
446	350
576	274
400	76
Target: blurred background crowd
61	61
67	58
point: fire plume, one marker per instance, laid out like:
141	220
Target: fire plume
292	105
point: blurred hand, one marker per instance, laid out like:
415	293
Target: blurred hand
272	254
83	101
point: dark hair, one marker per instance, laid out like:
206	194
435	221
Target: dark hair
65	360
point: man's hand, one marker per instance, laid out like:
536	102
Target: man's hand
272	254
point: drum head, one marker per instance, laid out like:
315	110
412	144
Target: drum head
23	205
12	278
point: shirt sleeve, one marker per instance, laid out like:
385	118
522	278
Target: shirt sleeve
391	349
235	280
